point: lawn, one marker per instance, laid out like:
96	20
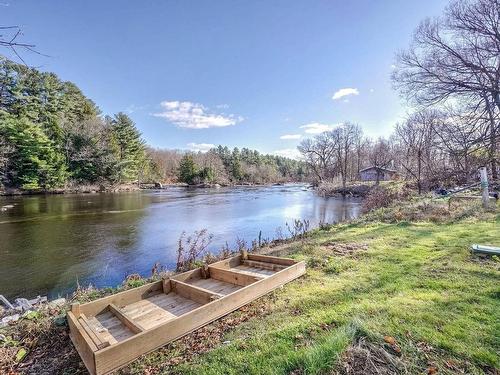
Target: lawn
417	285
377	298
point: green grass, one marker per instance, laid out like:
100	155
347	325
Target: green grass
416	282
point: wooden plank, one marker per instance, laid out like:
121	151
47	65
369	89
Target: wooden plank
232	276
82	343
269	259
75	309
189	275
194	293
216	286
116	356
227	263
116	329
125	319
94	336
257	272
121	299
264	265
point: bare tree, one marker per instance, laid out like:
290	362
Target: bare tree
319	154
345	138
9	38
456	57
418	137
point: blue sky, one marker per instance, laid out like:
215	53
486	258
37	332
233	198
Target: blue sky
238	73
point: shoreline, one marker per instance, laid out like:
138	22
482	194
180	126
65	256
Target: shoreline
94	189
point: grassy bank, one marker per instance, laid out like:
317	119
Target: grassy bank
378	297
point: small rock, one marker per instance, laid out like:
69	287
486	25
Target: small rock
9	319
226	342
2	338
23	304
57	302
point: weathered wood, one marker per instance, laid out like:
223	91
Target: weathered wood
82	342
194	293
264	265
75	309
483	173
227	263
123	298
233	277
98	341
271	259
122	353
125	319
138	321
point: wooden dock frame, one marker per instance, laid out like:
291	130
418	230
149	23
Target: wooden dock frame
207	296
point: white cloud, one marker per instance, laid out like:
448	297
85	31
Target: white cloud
393	66
317	128
200	147
344	92
372	90
291	136
195	116
291	153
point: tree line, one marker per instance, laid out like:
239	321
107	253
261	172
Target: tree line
224	166
450	77
52	136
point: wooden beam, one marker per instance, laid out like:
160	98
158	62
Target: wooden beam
232	276
194	293
82	342
125	319
75	309
269	259
189	275
264	265
98	341
121	299
227	263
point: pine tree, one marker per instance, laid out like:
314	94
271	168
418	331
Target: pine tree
187	169
128	146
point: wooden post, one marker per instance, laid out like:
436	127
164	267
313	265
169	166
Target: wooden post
484	186
75	309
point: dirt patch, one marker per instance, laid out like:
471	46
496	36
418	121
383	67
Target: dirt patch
346	249
365	358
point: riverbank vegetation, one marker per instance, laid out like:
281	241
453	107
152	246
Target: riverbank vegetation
395	291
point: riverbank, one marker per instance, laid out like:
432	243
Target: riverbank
93	189
381	295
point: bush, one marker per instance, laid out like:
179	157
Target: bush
384	196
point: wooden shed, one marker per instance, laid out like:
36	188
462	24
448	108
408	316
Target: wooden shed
374	173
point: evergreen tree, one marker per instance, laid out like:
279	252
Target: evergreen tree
129	148
187	169
35	161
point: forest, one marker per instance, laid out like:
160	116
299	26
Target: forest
52	136
449	77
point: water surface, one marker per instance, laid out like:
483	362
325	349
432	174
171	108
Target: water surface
49	243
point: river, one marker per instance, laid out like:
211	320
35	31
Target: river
49	243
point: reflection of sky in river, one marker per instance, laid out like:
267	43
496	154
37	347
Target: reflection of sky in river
47	243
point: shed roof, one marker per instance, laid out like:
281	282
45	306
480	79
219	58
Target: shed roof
379	168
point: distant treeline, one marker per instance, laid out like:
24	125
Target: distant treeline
224	166
52	136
